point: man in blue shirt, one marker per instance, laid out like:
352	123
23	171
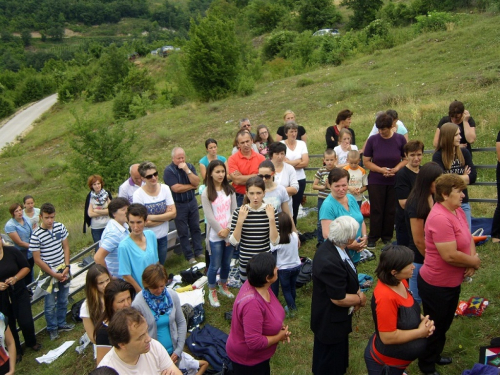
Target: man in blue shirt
182	179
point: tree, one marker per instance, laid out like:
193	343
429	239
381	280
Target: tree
26	37
213	62
365	11
103	148
318	14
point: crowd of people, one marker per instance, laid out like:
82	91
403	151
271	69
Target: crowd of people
251	202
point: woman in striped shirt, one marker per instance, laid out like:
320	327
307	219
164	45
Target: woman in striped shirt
254	225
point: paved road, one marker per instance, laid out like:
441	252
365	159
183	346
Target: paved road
22	121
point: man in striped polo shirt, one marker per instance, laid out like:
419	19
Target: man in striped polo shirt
50	247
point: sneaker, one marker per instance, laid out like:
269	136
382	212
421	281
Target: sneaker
225	291
192	261
53	335
201	256
212	296
66	327
371	245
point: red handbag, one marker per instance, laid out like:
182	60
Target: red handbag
365	207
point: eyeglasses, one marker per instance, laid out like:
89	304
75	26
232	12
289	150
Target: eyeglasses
150	176
263	133
265	176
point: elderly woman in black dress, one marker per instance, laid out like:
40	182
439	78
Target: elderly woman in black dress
336	295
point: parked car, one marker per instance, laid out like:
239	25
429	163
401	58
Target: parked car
330	32
154	52
166	50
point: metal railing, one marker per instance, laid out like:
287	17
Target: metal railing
478	166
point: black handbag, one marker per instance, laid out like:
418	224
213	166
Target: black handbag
191	275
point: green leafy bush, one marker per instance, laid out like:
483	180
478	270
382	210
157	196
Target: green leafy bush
280	43
246	86
433	21
121	105
377	27
304	82
6	107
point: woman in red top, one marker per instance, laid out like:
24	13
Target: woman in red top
400	330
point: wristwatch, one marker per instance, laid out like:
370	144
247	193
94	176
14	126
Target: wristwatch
67	266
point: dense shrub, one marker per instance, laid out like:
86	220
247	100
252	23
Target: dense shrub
304	82
398	14
264	16
318	14
280	43
246	86
121	105
377	28
6	107
32	89
364	12
433	21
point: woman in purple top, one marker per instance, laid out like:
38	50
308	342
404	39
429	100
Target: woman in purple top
384	157
257	323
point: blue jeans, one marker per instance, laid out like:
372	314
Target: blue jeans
96	234
162	249
466	208
287	279
55	311
188	220
320	231
220	257
413	283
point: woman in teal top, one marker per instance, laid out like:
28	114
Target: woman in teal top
19	229
161	307
211	146
340	203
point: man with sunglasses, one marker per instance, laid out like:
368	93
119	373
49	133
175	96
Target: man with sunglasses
458	115
183	181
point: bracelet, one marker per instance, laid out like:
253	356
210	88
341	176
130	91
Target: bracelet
67	266
15	278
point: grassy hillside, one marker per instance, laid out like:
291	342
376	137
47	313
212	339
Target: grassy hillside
418	79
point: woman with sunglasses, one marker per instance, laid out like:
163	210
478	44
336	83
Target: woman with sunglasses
275	194
160	205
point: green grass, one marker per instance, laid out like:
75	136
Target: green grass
419	79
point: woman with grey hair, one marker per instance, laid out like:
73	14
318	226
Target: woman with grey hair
336	296
298	157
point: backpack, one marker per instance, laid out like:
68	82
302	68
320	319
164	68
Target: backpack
75	311
305	274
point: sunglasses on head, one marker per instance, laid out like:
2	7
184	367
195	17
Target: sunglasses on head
265	176
150	176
